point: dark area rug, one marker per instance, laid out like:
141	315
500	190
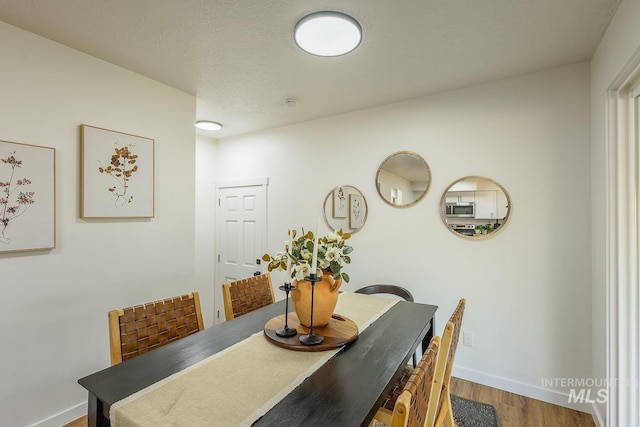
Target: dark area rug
469	413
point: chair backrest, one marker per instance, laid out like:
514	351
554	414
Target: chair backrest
414	403
456	321
438	385
386	289
450	337
139	329
246	295
438	411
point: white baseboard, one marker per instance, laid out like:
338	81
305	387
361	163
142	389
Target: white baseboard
64	417
528	390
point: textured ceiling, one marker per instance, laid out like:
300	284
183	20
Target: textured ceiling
240	61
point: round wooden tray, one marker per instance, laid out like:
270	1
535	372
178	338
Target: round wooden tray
338	332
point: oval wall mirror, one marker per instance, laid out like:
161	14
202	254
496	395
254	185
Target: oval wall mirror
475	207
345	208
403	179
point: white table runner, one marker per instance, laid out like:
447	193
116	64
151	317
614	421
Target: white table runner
240	384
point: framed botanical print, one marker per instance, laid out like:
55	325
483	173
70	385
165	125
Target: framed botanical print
340	208
356	211
117	174
27	197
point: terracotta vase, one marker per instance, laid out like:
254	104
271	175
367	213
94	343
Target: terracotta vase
325	298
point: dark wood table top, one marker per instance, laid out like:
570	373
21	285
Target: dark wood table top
345	391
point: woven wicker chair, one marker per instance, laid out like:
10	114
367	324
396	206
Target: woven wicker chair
441	411
415	403
139	329
246	295
445	413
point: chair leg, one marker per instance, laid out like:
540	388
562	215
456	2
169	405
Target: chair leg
445	416
383	415
449	421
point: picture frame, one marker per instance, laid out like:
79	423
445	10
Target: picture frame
117	174
27	197
340	202
356	211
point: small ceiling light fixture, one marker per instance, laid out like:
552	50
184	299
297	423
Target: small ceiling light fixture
208	125
328	33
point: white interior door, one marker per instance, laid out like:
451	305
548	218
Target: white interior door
241	217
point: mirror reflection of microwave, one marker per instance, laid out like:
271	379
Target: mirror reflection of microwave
460	210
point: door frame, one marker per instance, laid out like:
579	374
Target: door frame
623	247
233	183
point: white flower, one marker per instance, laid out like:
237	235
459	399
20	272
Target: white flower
306	254
332	237
333	254
302	270
323	264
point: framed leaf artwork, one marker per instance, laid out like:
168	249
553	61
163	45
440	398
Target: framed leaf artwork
340	202
117	174
356	211
27	197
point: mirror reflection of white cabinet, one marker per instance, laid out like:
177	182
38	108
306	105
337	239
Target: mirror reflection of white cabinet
491	201
502	204
461	197
486	204
490	211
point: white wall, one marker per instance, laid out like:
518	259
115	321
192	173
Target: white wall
619	44
205	253
529	287
54	304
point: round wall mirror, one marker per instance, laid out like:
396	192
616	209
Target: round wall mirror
403	179
475	207
345	208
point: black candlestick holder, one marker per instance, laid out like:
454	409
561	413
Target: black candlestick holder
311	338
286	331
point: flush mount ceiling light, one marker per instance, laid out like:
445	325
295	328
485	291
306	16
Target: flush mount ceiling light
328	33
208	125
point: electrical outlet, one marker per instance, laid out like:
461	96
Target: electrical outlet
467	338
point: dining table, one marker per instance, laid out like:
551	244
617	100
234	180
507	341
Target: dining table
344	387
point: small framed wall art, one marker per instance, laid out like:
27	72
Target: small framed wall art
27	197
356	211
340	202
117	174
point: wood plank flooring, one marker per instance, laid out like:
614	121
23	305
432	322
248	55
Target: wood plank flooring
519	411
513	410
